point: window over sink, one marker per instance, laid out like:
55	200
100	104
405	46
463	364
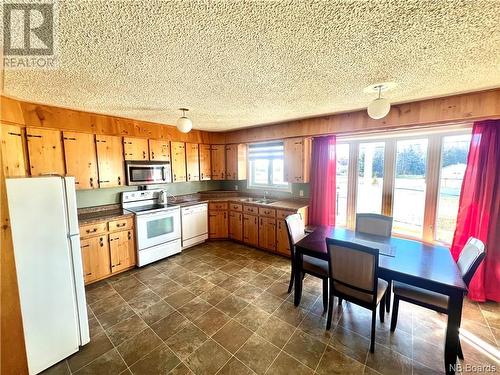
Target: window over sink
266	166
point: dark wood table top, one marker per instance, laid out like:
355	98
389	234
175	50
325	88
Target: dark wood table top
412	261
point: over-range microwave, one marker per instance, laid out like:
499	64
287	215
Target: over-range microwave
148	172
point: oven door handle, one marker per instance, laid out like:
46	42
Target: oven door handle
163	176
165	213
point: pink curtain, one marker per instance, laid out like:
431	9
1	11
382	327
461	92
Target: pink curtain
322	184
479	208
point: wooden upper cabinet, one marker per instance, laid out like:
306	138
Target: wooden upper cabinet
122	250
205	164
110	161
297	159
45	151
178	161
192	162
236	162
81	160
218	158
13	152
159	150
135	148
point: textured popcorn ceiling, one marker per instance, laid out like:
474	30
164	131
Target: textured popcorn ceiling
237	64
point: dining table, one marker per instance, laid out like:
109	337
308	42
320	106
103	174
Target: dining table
412	262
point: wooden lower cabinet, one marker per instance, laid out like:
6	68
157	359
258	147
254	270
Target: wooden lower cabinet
107	247
267	233
218	224
95	258
251	230
282	243
122	250
236	226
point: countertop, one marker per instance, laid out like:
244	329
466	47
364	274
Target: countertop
114	211
287	204
102	213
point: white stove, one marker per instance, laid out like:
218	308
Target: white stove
157	226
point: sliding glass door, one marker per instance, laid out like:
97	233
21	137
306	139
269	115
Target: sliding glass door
370	177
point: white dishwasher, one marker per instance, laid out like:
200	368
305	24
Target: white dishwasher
194	224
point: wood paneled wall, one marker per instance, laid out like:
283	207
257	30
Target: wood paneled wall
21	113
451	109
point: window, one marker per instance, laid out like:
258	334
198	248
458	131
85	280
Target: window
370	177
409	187
266	166
454	153
413	176
342	155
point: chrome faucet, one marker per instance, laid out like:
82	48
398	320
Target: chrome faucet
266	193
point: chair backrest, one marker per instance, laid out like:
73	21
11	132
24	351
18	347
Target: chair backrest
470	258
353	265
376	224
295	229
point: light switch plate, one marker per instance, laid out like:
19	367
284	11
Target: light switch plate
301	193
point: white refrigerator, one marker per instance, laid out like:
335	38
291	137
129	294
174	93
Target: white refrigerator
49	270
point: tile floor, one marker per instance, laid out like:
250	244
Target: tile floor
222	308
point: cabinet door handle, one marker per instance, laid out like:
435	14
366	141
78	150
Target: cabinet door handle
93	230
119	225
101	181
152	154
129	235
91	182
88	274
144	154
15	134
119	180
225	215
33	136
69	139
84	246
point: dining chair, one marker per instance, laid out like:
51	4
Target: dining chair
378	225
470	258
353	272
310	265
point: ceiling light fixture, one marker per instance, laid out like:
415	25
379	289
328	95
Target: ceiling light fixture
380	107
184	124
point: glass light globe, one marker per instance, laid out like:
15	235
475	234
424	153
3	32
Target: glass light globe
379	108
184	124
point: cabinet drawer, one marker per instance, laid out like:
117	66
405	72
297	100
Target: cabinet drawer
93	229
281	214
268	212
122	224
217	205
251	210
236	207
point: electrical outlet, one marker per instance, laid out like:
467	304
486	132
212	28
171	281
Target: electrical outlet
301	193
236	187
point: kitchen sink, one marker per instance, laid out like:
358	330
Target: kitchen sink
259	200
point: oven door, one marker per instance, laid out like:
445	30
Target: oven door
147	173
158	227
